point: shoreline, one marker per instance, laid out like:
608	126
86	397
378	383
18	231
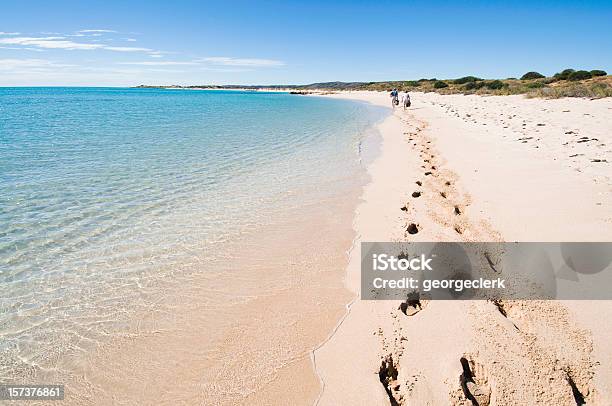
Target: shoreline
375	332
283	304
214	318
353	253
290	327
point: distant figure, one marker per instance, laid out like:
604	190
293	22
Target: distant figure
394	98
405	99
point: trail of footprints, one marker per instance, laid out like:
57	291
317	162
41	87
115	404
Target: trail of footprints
436	186
475	385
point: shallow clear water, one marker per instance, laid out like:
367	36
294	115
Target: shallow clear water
107	196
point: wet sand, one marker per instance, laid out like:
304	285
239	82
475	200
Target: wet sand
242	335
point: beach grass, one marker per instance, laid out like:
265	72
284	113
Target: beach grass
545	87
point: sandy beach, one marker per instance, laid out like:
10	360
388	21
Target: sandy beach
297	203
500	168
274	316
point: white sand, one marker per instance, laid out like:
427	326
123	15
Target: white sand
517	171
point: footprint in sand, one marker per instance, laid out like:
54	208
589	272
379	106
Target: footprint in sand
412	228
411	306
387	375
474	382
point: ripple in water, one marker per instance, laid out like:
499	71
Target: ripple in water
110	196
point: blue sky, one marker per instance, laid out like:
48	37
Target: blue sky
121	43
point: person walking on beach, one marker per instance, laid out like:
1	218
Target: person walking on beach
405	99
394	99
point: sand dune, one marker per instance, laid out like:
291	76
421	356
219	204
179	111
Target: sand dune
470	168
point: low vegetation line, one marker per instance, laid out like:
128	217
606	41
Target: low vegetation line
567	83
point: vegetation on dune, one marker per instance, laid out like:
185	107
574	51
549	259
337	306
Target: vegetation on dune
474	85
466	79
579	75
535	85
532	75
547	87
495	84
590	89
564	74
567	83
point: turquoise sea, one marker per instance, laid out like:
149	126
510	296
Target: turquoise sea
110	195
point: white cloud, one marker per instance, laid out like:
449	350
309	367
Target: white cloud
249	62
96	31
130	39
22	49
159	63
157	54
48	43
12	64
57	42
212	64
128	49
9	33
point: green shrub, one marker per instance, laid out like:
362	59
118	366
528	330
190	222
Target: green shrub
495	85
439	84
598	72
535	85
466	79
564	74
473	85
579	75
532	75
413	83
